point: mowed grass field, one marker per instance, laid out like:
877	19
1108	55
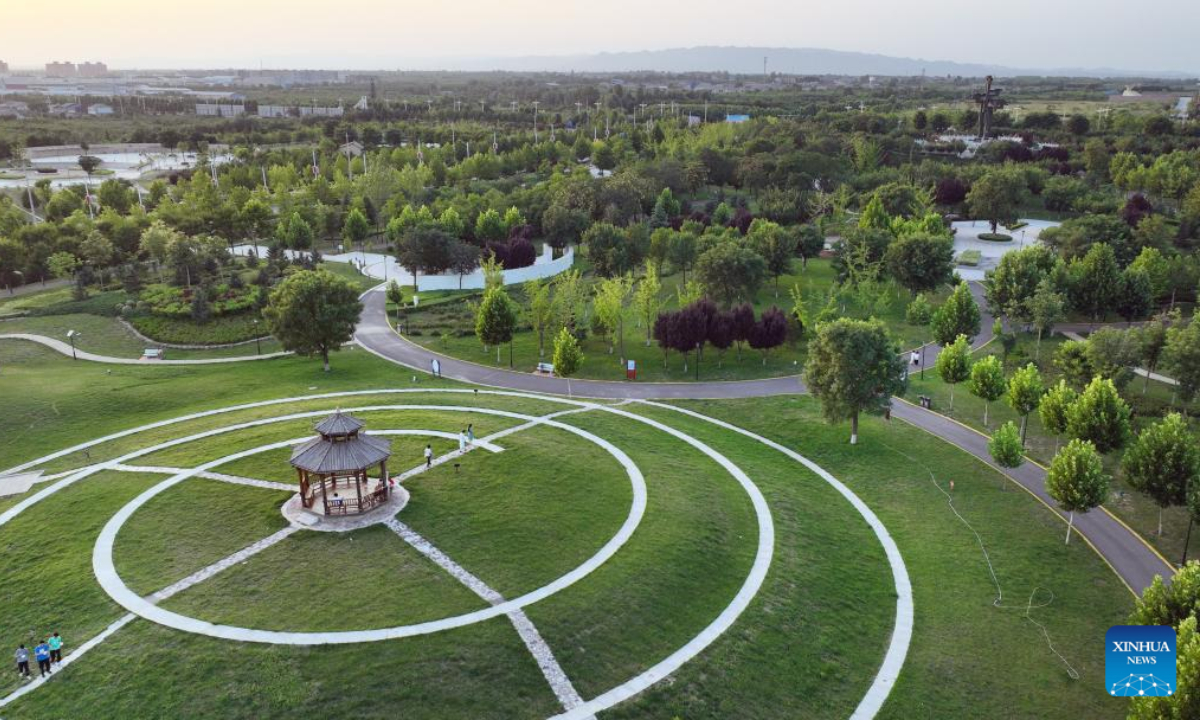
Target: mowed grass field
808	645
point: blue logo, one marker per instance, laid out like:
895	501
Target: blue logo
1139	661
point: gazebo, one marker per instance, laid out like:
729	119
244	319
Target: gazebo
332	467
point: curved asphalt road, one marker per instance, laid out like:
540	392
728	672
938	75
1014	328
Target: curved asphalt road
1134	561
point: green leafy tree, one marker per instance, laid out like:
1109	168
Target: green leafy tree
1134	296
63	264
609	305
919	312
313	312
810	241
1163	462
953	364
682	252
988	382
1095	281
1017	278
775	245
921	263
645	299
1076	480
356	227
1185	701
1005	446
959	315
541	311
489	226
1046	308
609	250
1054	408
567	355
1182	358
853	367
874	216
1025	391
395	295
996	195
1153	343
731	271
603	157
1100	416
496	320
1156	268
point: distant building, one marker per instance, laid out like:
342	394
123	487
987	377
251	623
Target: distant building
302	111
3	68
693	120
92	69
61	69
100	109
352	149
220	109
363	103
13	109
737	118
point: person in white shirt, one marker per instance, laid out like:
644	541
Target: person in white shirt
428	456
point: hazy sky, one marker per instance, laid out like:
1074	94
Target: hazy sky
386	34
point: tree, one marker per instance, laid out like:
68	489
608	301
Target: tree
987	382
1016	279
959	315
155	241
1100	416
63	264
809	243
89	164
567	355
1076	480
1156	268
954	364
1025	391
769	332
1163	462
921	262
743	325
919	312
645	298
609	305
1078	125
603	157
1134	295
1005	446
1095	280
1182	358
489	226
1185	701
356	227
396	297
424	248
1054	408
996	195
720	334
1045	308
257	219
608	249
495	320
313	312
682	252
775	245
1172	603
541	311
874	216
853	367
731	271
296	234
1153	343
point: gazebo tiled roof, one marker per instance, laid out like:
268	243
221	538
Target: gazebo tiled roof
340	448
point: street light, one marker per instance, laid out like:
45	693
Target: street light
71	335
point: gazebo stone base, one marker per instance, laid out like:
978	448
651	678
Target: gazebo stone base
297	514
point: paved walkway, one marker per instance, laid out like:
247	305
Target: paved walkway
1129	555
65	349
1140	372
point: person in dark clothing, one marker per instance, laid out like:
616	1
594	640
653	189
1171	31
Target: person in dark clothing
22	657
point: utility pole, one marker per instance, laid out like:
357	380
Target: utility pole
535	109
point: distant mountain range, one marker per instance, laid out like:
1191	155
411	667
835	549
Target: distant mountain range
749	61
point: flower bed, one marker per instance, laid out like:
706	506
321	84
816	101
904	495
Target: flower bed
176	302
184	331
995	237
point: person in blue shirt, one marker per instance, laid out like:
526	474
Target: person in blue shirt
42	654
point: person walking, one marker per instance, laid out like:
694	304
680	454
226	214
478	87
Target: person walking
55	643
428	457
915	357
42	653
22	657
462	441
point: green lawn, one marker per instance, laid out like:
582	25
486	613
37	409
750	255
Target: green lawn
1149	400
447	327
810	642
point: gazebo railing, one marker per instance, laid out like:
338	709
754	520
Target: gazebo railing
350	505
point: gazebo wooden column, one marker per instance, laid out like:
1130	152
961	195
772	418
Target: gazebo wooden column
383	479
325	495
358	481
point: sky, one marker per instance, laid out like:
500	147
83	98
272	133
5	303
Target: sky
399	34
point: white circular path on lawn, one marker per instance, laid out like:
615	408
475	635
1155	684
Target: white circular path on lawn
867	708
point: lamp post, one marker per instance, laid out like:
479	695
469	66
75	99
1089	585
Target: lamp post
71	335
257	339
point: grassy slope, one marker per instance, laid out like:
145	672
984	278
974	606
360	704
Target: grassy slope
460	341
1132	507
